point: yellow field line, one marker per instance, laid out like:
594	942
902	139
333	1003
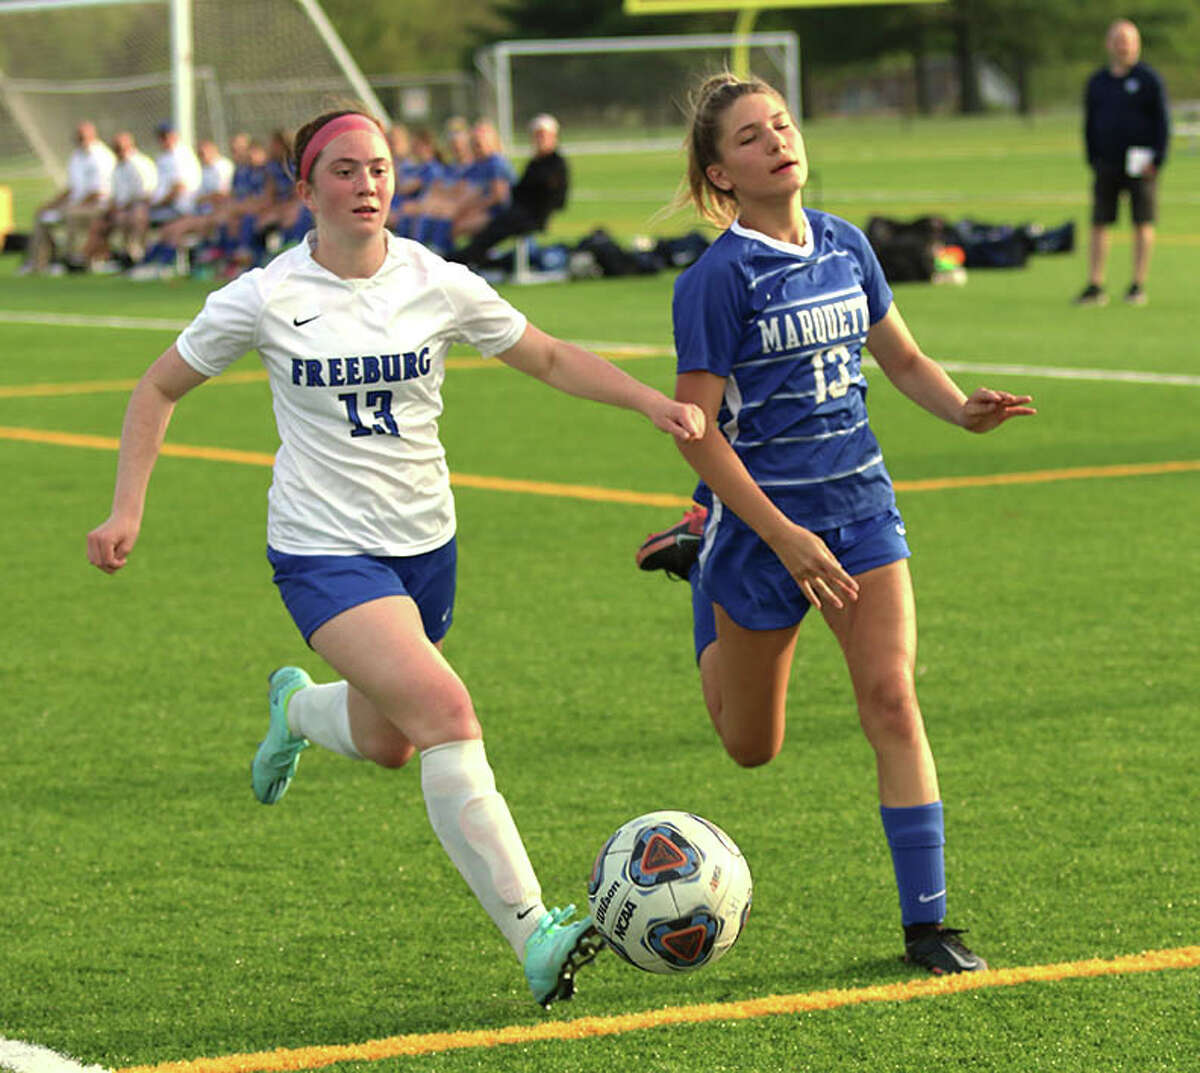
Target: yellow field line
261	458
102	387
607	495
570	491
1043	476
305	1058
106	387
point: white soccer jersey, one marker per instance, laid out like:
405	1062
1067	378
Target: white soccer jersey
89	171
178	165
356	368
215	178
133	179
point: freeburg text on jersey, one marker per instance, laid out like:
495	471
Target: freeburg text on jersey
368	369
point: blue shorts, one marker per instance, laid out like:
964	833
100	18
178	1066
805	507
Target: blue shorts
747	579
315	588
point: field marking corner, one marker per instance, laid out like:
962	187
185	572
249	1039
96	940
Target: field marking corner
18	1056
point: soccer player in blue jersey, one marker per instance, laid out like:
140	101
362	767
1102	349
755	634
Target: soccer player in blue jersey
490	180
769	328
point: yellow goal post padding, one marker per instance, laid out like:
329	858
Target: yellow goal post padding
694	7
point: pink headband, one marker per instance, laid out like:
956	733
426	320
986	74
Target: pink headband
324	135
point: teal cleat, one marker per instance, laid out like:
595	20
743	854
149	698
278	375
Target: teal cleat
279	752
555	951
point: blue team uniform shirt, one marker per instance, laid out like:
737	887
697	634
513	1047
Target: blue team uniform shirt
249	180
785	325
406	171
482	173
430	172
279	178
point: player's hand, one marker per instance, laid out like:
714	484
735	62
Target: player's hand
109	544
986	409
683	420
815	568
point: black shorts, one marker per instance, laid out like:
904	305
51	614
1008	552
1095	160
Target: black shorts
1106	192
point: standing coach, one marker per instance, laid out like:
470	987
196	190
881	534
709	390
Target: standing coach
1125	132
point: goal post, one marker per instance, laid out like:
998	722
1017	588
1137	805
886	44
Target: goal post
621	94
747	13
210	66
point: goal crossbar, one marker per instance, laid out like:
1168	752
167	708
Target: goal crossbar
495	60
184	77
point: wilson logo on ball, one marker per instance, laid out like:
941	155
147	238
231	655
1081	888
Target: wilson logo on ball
597	875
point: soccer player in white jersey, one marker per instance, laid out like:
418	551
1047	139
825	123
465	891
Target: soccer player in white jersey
769	328
353	326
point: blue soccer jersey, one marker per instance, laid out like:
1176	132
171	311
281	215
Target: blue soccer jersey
430	172
483	172
249	180
785	325
280	179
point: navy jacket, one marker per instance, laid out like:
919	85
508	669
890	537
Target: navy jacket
1120	112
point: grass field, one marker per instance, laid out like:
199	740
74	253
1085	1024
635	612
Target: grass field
153	913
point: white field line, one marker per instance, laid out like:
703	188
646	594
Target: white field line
641	350
848	195
1068	199
1051	372
21	1057
81	320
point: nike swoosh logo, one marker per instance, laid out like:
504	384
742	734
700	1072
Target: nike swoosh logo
923	898
300	323
525	913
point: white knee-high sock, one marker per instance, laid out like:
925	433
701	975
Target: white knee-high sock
477	831
319	713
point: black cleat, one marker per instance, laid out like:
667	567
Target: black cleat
675	550
1091	295
940	950
1136	295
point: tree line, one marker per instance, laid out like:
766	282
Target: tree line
1020	37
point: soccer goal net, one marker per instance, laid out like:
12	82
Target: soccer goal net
230	65
615	94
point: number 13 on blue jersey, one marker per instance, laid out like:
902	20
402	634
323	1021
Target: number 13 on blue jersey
839	357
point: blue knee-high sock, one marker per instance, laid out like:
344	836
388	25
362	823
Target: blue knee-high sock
704	621
916	836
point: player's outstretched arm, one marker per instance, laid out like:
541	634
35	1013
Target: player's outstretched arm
146	419
928	385
985	409
805	555
579	372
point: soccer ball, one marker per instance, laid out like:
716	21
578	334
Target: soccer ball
670	892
